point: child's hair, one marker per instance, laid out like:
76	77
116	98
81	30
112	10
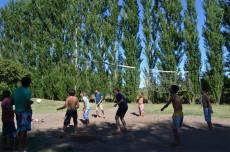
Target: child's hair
6	94
205	89
142	94
71	92
84	93
25	81
97	89
175	88
117	89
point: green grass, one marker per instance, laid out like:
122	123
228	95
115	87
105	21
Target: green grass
220	111
50	106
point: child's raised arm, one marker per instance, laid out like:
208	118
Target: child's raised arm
63	107
167	104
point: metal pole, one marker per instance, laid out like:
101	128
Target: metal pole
200	87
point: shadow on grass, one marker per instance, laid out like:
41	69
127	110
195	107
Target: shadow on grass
140	137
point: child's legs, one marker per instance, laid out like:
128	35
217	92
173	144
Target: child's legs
118	123
139	108
65	128
75	128
210	127
124	123
18	137
4	139
142	109
12	143
177	137
23	140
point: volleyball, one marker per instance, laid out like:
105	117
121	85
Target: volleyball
39	100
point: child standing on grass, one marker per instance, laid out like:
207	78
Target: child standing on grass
177	115
141	105
8	129
207	108
72	104
86	107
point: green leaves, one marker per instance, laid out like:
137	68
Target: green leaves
214	42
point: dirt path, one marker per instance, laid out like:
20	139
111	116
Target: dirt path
151	133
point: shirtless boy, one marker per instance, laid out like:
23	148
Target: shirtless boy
141	105
207	108
72	104
177	115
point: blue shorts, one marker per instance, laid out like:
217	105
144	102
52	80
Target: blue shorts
9	130
207	114
86	114
24	121
177	120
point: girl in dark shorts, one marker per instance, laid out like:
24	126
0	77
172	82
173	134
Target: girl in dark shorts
123	107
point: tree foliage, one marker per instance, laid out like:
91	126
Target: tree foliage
214	42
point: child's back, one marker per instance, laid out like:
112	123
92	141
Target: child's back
72	102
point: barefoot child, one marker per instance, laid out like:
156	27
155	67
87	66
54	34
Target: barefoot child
177	115
8	129
141	105
123	107
207	108
72	105
86	107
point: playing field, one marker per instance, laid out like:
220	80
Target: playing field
151	133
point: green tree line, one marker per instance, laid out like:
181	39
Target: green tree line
48	39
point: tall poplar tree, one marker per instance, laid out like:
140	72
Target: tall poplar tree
131	45
191	47
170	34
149	23
226	33
214	42
112	37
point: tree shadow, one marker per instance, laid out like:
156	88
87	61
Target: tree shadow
140	137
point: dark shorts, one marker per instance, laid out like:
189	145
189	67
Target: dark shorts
24	121
70	113
9	130
121	111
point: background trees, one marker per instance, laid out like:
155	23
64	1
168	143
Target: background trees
43	39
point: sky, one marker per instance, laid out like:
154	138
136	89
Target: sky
200	23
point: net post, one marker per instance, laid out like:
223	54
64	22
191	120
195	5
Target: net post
200	87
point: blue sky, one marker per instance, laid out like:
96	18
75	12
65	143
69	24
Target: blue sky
201	20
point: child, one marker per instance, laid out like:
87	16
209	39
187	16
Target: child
141	105
177	115
86	107
72	105
207	108
8	129
98	101
123	107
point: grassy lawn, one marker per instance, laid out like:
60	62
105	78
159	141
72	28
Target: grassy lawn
220	111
